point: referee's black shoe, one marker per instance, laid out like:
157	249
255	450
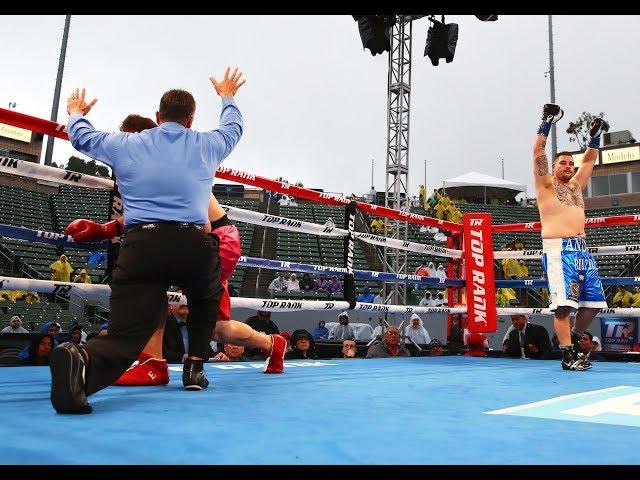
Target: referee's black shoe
68	394
193	376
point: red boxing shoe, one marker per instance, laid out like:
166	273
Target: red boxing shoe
147	370
275	361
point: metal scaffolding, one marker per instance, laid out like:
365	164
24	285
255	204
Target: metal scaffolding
397	176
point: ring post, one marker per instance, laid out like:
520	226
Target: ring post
349	251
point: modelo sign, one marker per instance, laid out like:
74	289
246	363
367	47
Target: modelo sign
480	283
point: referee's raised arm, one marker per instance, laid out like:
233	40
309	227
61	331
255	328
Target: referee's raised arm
83	136
228	134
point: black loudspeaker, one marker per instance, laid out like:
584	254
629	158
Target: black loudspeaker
441	41
374	32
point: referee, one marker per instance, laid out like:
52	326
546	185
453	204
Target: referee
164	176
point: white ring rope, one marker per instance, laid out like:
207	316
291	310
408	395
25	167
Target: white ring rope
283	223
23	168
271	305
279	305
596	251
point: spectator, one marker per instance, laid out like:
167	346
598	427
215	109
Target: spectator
349	349
525	339
344	331
416	331
440	301
440	272
423	270
587	345
262	323
476	343
377	226
635	297
329	223
622	298
379	330
334	286
597	344
32	297
83	334
175	338
366	296
426	301
371	196
233	292
75	335
435	348
379	298
52	328
321	331
278	284
49	328
103	330
82	277
61	270
320	284
390	345
15	326
432	201
37	352
231	353
506	297
523	270
510	268
302	345
292	284
519	244
422	196
306	284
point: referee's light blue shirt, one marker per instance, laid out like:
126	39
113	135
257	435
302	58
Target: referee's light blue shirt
164	173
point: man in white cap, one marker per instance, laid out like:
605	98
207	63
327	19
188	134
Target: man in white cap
416	331
15	326
344	331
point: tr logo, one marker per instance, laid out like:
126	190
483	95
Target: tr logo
61	289
476	221
72	176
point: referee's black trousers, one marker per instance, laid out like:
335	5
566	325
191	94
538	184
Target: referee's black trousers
150	261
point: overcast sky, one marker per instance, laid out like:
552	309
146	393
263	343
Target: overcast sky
315	102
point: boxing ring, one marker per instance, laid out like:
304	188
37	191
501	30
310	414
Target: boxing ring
418	410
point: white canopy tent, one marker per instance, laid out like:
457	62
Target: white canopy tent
476	183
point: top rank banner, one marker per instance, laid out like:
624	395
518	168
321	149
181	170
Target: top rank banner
478	263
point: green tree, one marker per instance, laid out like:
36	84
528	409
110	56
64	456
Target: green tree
580	128
77	164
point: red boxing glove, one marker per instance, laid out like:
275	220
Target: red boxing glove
83	230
